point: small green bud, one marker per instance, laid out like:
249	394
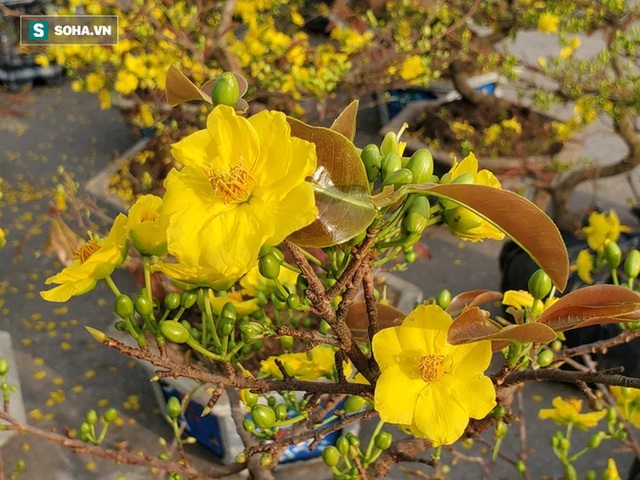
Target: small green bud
252	331
390	163
144	306
353	440
241	458
123	306
383	440
281	412
226	90
591	475
563	444
342	444
229	311
265	460
269	266
596	440
174	407
460	219
417	217
97	334
421	166
444	298
612	254
172	301
410	256
92	417
354	403
4	366
570	472
400	177
372	160
287	343
271	401
331	456
545	358
465	178
499	411
174	331
120	325
389	144
521	467
248	397
110	415
85	429
501	429
263	416
226	326
632	264
293	302
188	299
249	425
261	298
539	284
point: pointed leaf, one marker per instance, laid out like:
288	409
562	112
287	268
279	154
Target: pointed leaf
592	305
346	121
180	89
341	186
358	322
472	298
527	332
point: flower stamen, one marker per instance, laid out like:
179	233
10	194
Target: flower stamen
234	185
433	367
84	252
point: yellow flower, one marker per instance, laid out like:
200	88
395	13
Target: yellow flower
319	362
242	185
548	22
611	472
3	239
94	82
603	228
461	221
628	399
243	307
126	82
427	384
567	412
104	97
584	266
253	281
567	51
41	60
95	260
522	299
145	232
188	277
412	68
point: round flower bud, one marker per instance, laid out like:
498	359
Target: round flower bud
353	440
331	456
4	366
596	440
499	411
144	306
521	467
421	166
354	403
612	254
390	163
226	90
269	266
174	407
281	412
545	358
226	326
293	302
400	177
444	298
342	444
263	416
539	284
417	217
172	300
249	425
123	306
570	472
241	457
92	417
188	299
632	264
501	429
174	331
383	440
461	220
372	160
410	255
591	475
248	397
110	415
389	144
287	343
265	460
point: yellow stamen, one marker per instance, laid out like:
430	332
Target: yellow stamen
85	251
433	367
235	185
149	216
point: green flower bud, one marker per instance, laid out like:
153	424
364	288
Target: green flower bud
263	416
501	429
390	163
85	429
331	456
226	90
261	298
570	472
372	160
354	452
281	412
174	407
342	444
92	417
421	166
226	326
400	177
465	178
293	302
632	264
174	331
460	219
271	401
248	397
539	284
110	415
410	256
249	425
499	411
229	311
4	366
172	301
545	358
188	299
265	460
563	444
269	266
612	254
353	440
521	467
144	306
287	343
417	217
591	475
596	440
444	298
354	403
383	440
123	306
252	331
241	458
389	144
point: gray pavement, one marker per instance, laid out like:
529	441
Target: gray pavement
51	127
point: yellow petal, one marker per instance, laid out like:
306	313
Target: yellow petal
295	211
233	139
440	416
396	394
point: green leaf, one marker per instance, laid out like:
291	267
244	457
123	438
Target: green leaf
342	189
346	121
180	89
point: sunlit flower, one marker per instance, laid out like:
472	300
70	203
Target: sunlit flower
567	412
145	232
242	185
93	261
611	472
95	82
3	240
567	51
242	306
426	383
126	82
628	399
603	228
548	22
189	277
461	221
522	299
584	266
319	362
412	68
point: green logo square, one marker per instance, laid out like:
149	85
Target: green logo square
38	31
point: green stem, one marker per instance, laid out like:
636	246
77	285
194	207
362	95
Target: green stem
283	291
391	256
209	319
288	266
235	350
132	329
103	434
372	441
147	277
291	421
179	314
112	286
312	258
614	276
199	348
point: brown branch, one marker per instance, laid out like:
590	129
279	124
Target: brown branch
399	452
564	376
118	456
314	336
599	346
370	301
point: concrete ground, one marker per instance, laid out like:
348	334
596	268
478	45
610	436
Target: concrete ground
64	373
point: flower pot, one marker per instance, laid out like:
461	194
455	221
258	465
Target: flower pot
16	405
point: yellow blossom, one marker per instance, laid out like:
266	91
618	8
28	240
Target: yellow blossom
426	383
242	185
93	261
603	228
522	299
548	22
567	412
584	266
242	306
568	50
104	97
412	68
3	239
319	362
611	472
94	82
126	82
145	232
628	399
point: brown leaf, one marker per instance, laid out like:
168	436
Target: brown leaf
472	298
180	89
358	322
346	121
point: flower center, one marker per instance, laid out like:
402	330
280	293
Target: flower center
85	251
149	216
433	367
235	185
